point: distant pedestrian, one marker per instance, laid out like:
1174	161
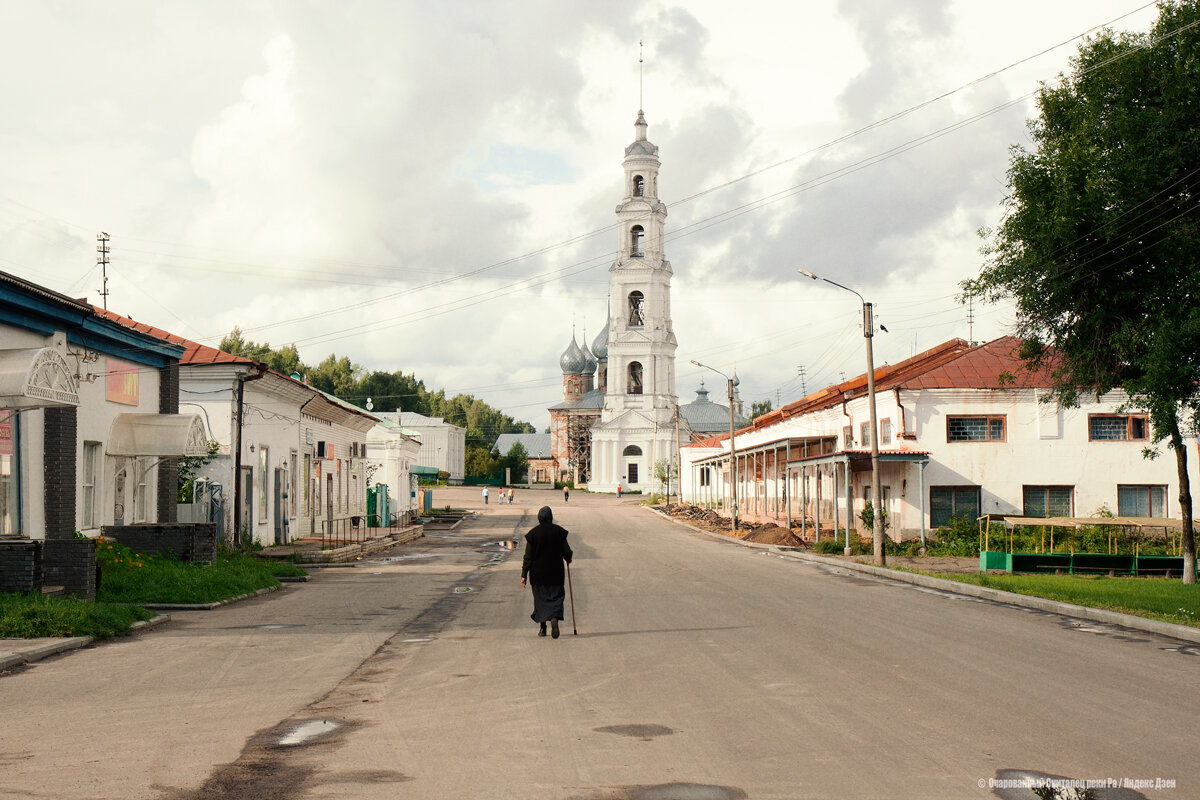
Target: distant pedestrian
510	495
566	494
501	495
485	495
618	491
546	549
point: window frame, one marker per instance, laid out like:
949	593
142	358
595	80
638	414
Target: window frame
631	386
1046	489
989	419
91	463
1130	419
954	510
1149	488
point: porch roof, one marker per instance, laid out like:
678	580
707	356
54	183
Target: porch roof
163	435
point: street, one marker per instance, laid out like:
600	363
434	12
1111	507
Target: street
701	669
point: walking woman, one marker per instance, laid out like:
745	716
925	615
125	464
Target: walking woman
546	549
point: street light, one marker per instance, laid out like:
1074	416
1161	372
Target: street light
876	489
733	509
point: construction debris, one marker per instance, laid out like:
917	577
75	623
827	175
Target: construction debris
710	520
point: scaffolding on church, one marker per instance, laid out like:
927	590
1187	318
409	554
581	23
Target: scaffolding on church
579	446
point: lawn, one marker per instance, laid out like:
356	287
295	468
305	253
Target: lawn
1156	598
27	616
129	577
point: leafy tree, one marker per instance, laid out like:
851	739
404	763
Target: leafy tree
517	461
189	466
1099	247
665	473
759	407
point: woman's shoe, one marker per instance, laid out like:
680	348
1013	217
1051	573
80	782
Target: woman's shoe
554	628
542	630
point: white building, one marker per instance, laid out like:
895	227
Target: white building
391	453
637	426
443	446
962	431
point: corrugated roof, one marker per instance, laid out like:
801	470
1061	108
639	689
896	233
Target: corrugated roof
537	445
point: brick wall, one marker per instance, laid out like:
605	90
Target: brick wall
195	543
71	564
168	468
20	566
59	443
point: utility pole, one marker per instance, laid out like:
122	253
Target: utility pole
678	460
102	262
800	374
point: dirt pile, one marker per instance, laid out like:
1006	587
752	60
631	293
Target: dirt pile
710	520
771	533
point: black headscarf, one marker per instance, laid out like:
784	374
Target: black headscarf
545	515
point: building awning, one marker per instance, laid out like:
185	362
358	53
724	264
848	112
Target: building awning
163	435
36	378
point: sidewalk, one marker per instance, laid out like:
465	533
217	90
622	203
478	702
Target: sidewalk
17	652
1184	633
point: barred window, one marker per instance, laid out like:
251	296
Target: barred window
1116	427
975	429
948	502
1048	501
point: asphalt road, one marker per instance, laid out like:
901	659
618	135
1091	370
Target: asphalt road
702	671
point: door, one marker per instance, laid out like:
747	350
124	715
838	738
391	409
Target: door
119	492
281	498
633	474
329	501
244	535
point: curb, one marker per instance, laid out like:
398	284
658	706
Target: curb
207	606
1169	629
9	660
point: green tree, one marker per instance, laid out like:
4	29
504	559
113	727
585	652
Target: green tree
759	407
189	466
517	461
665	473
1099	246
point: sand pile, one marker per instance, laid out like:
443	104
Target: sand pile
771	533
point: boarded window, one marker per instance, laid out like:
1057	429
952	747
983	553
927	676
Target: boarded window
975	429
1116	427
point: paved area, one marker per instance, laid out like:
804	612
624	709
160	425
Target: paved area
702	669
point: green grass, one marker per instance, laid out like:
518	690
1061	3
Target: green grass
25	616
1156	598
129	577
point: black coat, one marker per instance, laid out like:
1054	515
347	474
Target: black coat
546	549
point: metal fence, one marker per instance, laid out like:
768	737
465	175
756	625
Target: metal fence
357	529
208	505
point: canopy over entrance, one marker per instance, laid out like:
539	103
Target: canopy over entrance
36	378
163	435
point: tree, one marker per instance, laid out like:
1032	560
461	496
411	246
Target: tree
517	461
1099	247
759	407
665	473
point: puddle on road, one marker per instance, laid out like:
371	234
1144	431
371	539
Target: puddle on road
643	732
307	731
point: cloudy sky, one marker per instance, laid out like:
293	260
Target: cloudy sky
430	186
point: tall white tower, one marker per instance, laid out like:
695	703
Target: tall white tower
637	425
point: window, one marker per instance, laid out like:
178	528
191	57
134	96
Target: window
637	309
633	473
865	434
635	378
632	450
1141	501
848	436
263	484
141	512
948	502
639	186
885	431
636	234
91	460
10	475
1048	501
975	429
1116	427
705	477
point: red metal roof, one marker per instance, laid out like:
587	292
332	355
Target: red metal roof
195	353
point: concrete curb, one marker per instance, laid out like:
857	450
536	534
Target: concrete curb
207	606
16	659
1170	629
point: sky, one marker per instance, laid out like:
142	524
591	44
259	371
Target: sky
430	187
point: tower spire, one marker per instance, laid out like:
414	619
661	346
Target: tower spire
641	104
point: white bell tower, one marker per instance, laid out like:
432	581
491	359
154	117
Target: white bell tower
637	425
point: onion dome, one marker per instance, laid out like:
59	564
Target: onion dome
572	360
590	363
600	343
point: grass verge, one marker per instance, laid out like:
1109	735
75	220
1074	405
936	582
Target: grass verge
128	577
26	616
1156	598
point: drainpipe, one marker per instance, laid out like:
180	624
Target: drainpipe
237	458
903	430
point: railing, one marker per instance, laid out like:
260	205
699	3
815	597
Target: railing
356	529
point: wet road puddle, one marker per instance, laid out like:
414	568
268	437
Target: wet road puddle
305	732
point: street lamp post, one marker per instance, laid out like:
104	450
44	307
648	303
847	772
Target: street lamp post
876	489
733	507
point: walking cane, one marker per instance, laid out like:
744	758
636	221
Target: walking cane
571	589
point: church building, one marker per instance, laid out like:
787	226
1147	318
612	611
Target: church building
619	415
